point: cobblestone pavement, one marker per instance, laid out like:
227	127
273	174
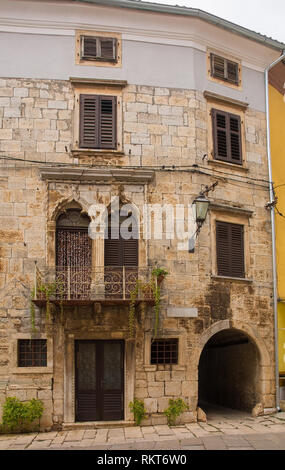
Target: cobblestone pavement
223	431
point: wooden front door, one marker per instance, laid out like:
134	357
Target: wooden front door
99	380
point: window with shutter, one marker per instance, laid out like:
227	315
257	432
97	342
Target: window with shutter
99	48
119	251
230	249
121	264
227	136
224	69
98	122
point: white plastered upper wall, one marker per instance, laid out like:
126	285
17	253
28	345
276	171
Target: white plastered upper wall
61	18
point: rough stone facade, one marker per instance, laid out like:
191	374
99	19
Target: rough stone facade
161	127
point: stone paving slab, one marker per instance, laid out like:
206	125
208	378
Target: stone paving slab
244	432
214	443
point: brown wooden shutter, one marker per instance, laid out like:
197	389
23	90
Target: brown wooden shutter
108	122
130	252
234	131
89	47
217	67
99	48
98	122
108	49
219	124
120	252
224	69
89	121
237	259
230	249
113	251
227	136
233	72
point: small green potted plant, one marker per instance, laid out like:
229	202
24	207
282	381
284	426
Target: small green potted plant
160	274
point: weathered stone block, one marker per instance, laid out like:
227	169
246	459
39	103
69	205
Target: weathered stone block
157	391
21	92
57	104
201	415
158	419
162	404
150	405
173	388
6	91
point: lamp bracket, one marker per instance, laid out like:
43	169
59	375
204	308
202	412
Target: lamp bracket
208	189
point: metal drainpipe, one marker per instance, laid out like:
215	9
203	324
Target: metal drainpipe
273	229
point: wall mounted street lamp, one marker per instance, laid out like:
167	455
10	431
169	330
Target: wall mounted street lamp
201	207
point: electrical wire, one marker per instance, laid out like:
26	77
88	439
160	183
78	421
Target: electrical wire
185	168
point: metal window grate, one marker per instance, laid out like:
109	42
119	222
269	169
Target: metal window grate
32	353
164	351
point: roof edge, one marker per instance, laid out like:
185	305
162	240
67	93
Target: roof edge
193	12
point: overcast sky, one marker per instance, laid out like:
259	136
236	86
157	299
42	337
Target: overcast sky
263	16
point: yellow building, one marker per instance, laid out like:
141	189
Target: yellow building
277	131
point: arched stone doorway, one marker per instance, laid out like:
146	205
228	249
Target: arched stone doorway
229	371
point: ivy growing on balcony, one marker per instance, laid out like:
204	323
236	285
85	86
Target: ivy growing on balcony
152	287
48	291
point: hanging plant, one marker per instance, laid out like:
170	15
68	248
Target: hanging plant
153	286
156	292
158	275
60	291
48	290
33	313
132	310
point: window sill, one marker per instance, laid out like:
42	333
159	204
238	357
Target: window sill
231	279
230	166
96	153
32	370
155	367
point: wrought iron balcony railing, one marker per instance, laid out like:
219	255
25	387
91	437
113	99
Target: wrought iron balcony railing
84	284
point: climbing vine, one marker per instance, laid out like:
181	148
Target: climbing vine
33	313
48	290
153	286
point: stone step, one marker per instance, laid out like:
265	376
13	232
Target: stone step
97	425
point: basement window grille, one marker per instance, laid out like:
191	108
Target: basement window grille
164	351
32	353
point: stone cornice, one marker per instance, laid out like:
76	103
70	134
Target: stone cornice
225	100
97	175
230	209
98	82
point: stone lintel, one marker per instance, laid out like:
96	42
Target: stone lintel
231	209
96	175
225	100
98	82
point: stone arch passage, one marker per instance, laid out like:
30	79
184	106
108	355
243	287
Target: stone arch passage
230	371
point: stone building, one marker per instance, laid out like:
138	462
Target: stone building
147	105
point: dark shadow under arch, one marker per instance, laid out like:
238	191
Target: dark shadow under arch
229	371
